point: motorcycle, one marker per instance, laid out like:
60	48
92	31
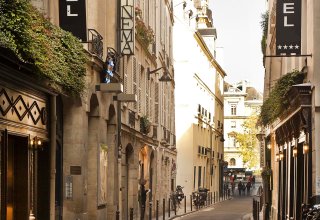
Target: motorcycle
179	193
176	197
200	197
311	213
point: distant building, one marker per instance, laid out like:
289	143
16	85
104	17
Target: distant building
199	101
240	102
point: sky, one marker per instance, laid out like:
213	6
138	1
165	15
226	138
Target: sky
239	34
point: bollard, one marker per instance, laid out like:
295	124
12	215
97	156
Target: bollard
175	207
169	207
131	213
198	203
214	197
185	204
191	203
258	209
157	210
164	209
150	210
117	215
211	198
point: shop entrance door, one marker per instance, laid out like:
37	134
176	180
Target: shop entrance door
16	174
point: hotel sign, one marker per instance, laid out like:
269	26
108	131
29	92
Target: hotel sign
288	27
127	27
72	16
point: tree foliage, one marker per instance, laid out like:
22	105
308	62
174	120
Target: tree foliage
248	142
55	54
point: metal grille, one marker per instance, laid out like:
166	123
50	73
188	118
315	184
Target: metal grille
95	43
132	120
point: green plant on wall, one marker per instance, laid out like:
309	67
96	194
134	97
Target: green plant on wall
277	103
145	33
54	54
145	124
264	26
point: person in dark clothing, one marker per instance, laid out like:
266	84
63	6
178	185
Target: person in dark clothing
248	186
240	185
142	199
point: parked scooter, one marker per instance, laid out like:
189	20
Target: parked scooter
176	197
200	197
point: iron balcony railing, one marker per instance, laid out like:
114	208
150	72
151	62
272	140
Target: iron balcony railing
95	43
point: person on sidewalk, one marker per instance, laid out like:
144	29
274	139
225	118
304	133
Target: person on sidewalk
233	186
240	185
248	186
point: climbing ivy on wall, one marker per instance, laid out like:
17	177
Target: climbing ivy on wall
277	102
55	54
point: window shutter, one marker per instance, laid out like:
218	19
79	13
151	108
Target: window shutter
156	103
139	89
134	80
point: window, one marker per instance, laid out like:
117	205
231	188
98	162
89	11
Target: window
232	162
233	124
199	176
233	109
194	176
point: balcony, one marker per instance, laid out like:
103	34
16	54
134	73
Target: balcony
95	43
132	119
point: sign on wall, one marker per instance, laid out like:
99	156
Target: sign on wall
72	16
127	27
288	27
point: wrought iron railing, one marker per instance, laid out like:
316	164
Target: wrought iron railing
95	43
132	119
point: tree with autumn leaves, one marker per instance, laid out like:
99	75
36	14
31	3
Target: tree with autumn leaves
248	142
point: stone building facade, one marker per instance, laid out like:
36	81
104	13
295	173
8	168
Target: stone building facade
100	164
292	137
241	101
199	102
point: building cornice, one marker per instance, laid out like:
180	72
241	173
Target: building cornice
209	90
207	52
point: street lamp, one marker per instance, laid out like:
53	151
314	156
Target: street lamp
164	78
305	148
295	151
280	155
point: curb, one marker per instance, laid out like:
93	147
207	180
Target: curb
184	214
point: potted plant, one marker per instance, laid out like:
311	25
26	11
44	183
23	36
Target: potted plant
145	125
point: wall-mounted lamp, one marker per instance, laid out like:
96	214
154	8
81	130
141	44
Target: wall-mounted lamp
295	151
36	143
281	155
269	146
277	157
305	148
164	78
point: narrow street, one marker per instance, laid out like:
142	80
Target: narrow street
235	208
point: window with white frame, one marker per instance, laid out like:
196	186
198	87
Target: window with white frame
233	124
233	109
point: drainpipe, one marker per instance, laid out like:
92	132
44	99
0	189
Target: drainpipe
53	137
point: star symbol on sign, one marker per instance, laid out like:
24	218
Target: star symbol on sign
291	47
296	47
285	47
279	46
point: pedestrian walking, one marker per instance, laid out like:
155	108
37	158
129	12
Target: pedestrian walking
233	186
240	185
248	186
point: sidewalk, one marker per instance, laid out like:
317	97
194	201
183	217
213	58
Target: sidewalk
182	211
